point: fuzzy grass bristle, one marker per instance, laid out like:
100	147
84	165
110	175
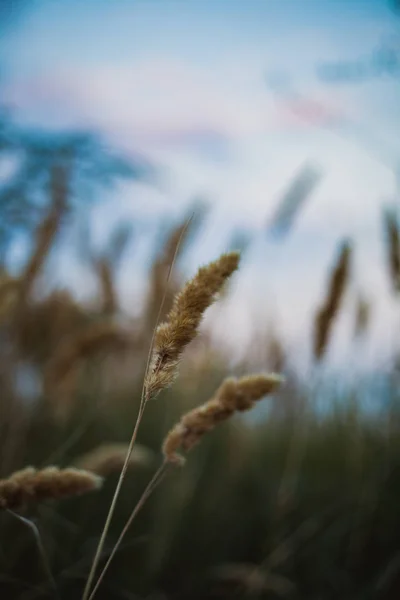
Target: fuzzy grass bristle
32	486
110	458
183	320
234	395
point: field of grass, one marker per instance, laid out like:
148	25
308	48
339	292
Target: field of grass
293	504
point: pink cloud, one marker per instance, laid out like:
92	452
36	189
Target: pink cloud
158	102
310	111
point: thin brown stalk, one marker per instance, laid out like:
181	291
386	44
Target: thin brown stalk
151	486
9	290
48	229
331	305
393	247
159	277
362	316
110	514
104	271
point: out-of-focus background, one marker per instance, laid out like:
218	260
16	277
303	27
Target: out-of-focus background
274	125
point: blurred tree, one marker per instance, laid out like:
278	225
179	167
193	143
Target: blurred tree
29	160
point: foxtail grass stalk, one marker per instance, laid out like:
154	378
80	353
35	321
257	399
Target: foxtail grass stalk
124	470
234	395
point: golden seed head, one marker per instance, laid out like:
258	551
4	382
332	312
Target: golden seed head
183	320
109	458
232	396
33	486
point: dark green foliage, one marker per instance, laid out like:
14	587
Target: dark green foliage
330	525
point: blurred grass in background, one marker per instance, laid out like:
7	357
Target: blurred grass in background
297	503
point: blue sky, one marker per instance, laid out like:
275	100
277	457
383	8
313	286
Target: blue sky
186	84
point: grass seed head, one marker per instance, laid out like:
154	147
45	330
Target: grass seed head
110	458
336	288
183	320
234	395
34	486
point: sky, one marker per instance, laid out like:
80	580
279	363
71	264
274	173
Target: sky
232	98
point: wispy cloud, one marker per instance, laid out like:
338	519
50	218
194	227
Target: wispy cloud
162	102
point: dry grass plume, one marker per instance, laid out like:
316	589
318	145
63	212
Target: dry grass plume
47	230
234	395
109	298
391	226
362	316
183	320
31	486
110	458
330	308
